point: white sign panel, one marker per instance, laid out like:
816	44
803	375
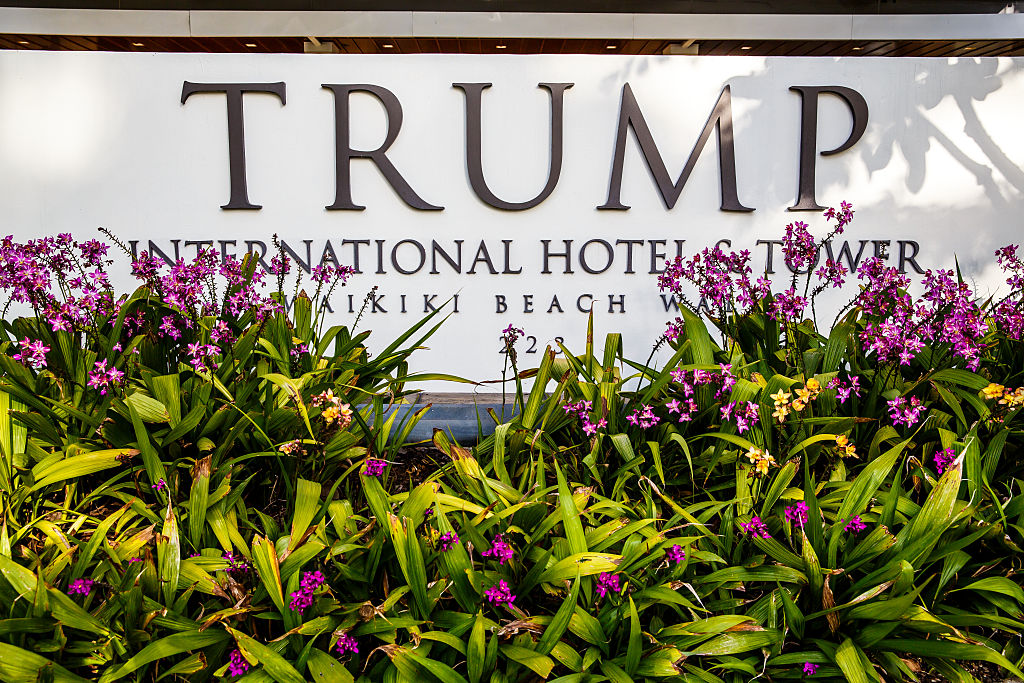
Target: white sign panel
513	196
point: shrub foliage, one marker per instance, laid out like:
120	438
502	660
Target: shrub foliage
202	480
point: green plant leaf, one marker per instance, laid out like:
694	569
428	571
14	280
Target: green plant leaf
78	466
168	549
24	582
582	564
264	558
168	646
634	647
147	408
307	505
276	666
536	662
570	516
554	630
476	650
323	667
948	650
848	658
997	584
736	643
21	666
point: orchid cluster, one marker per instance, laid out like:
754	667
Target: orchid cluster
448	540
676	554
190	288
744	413
722	382
302	599
31	353
801	252
237	665
101	377
607	583
292	448
784	406
845	389
1009	313
200	356
643	417
943	459
761	459
374	467
500	594
64	281
685	408
675	329
842	216
346	643
688	380
1012	398
905	412
499	550
324	274
81	587
799	249
855	524
756	528
797	514
831	274
511	334
201	300
582	410
237	567
945	314
846	448
332	409
787	306
722	279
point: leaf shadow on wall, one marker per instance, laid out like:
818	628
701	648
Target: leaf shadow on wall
912	136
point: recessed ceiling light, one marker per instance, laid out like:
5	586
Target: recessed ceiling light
138	44
250	44
857	47
967	48
610	47
387	45
22	42
745	47
501	47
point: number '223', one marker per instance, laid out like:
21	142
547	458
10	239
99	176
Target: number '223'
531	344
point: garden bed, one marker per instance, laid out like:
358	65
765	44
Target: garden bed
198	484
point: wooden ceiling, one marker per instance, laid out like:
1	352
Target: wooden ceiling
386	45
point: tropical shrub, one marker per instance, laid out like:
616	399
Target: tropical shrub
156	443
770	502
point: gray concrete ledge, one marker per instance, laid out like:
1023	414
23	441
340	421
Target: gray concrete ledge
464	417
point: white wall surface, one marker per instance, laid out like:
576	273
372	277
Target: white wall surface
96	139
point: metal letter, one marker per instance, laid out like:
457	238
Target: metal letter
344	154
809	135
474	151
236	131
630	116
